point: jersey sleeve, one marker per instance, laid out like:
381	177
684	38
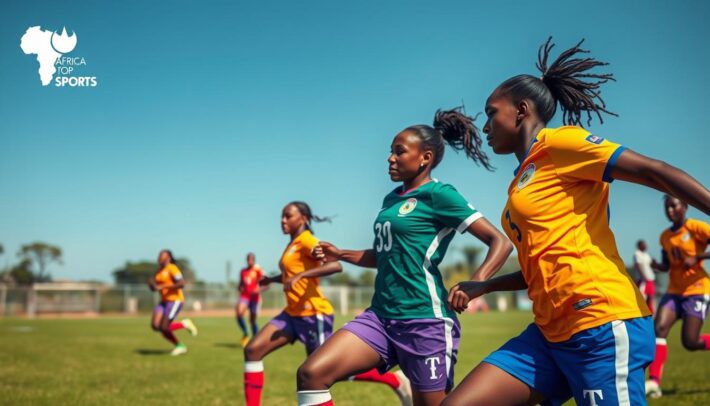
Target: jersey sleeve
308	243
577	154
452	209
175	273
700	230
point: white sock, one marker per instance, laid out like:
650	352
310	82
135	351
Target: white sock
253	366
313	397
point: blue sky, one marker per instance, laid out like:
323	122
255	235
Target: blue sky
210	116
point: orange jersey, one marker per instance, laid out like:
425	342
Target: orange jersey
689	240
305	299
249	278
168	275
557	216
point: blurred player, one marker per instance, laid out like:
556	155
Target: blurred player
308	316
169	282
408	323
647	278
249	297
592	335
684	245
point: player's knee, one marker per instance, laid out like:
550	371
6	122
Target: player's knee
252	352
690	343
308	375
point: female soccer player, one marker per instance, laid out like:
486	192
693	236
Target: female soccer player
168	280
308	316
408	322
647	278
592	336
249	297
684	245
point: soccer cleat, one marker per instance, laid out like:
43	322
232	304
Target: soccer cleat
190	326
653	391
179	350
404	390
244	341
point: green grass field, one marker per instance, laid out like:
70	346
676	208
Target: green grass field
120	361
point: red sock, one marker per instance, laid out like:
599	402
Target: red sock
253	382
176	325
656	369
706	339
373	375
170	337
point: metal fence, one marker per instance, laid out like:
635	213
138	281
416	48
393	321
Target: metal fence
81	298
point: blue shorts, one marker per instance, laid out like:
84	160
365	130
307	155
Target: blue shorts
605	362
168	309
312	331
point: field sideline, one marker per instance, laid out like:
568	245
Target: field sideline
119	361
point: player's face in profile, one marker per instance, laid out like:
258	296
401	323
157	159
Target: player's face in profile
675	209
405	157
163	258
291	219
501	123
250	261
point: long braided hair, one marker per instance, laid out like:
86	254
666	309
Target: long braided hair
566	81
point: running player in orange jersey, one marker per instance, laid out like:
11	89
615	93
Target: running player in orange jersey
249	297
308	316
169	282
684	245
592	335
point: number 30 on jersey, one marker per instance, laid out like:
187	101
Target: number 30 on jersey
383	236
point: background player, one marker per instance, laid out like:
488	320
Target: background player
647	278
308	316
408	323
249	297
169	282
593	335
684	245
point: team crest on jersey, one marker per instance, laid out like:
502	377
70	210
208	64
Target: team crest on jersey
527	176
407	207
594	139
685	237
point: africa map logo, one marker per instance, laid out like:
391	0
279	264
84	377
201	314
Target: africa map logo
51	49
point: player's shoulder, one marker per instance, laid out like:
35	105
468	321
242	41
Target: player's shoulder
568	136
696	225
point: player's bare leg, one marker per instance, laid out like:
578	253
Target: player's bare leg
488	385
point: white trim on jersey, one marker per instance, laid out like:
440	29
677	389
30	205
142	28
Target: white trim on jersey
173	311
621	361
469	220
435	299
321	333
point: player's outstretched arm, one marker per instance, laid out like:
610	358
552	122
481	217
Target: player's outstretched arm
326	269
640	169
462	293
328	252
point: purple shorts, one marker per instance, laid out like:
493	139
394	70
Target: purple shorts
312	331
694	305
425	349
168	309
253	301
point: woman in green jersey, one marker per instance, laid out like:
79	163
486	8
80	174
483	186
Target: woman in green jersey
409	322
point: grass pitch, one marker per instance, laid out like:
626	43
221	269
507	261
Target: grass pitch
120	361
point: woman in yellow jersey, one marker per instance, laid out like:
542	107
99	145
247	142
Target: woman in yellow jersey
308	316
592	336
684	245
169	282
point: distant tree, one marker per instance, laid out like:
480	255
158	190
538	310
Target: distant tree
142	271
21	273
40	255
1	249
367	278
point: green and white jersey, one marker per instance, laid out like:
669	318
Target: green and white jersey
412	233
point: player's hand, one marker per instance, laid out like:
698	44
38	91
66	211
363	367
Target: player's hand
690	262
464	292
291	282
326	252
